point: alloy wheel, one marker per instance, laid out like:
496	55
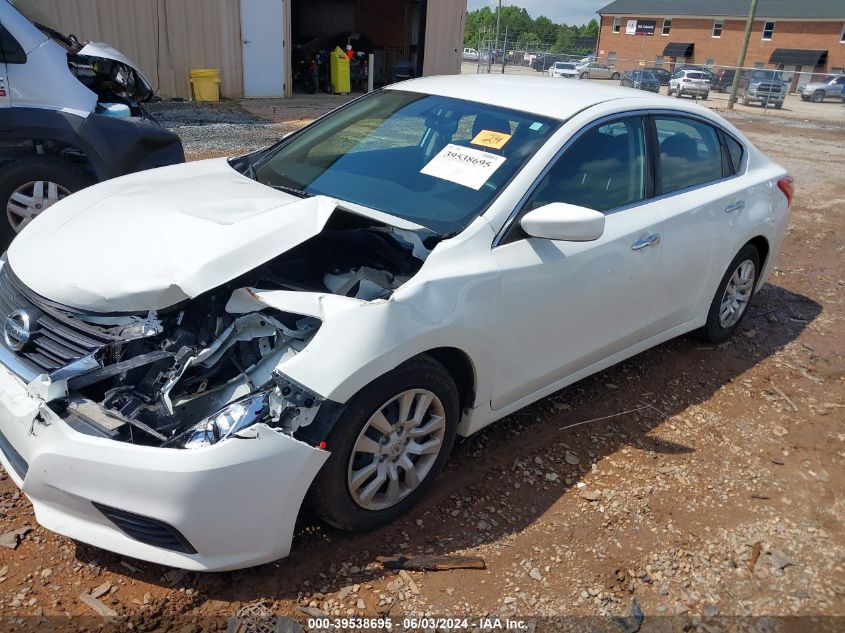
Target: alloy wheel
30	199
396	449
737	294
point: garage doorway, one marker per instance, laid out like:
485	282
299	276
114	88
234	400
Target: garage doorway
263	44
392	30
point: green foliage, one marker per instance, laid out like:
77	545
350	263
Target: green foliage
525	32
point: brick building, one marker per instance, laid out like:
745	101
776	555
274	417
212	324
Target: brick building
803	38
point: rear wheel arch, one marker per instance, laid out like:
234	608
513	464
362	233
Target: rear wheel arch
762	246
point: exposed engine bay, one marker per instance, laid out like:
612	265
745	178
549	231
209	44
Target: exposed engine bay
194	374
104	71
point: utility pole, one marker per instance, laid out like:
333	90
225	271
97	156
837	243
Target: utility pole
504	50
496	45
752	11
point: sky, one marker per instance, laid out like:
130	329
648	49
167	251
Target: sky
561	11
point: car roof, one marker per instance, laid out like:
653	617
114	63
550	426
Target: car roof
537	95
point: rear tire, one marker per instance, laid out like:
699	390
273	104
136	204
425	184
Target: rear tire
615	76
16	176
733	296
354	437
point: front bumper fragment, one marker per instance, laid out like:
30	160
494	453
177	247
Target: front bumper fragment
235	503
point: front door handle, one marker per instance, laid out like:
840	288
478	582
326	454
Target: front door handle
651	240
739	205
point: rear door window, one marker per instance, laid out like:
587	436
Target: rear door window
689	153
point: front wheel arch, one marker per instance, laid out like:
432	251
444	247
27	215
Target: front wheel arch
458	365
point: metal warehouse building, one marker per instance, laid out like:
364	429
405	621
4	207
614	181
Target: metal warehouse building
250	41
800	37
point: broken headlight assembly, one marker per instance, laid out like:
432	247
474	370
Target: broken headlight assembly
228	421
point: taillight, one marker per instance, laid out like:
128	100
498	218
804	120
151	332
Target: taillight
785	184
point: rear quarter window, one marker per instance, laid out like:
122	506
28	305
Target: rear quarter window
735	151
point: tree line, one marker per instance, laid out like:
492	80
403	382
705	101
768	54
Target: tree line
525	32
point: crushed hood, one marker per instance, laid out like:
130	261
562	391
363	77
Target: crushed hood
150	240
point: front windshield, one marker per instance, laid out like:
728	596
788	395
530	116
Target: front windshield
432	160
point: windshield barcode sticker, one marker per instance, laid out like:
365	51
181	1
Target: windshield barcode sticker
463	165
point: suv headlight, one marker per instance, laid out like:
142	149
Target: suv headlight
234	417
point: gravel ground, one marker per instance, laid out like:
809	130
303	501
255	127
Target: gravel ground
228	128
700	484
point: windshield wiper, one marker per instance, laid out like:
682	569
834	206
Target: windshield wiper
293	191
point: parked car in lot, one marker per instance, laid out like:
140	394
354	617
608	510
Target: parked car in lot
754	86
818	91
763	87
689	83
544	61
661	74
594	70
723	80
470	55
71	114
709	75
641	79
319	319
564	69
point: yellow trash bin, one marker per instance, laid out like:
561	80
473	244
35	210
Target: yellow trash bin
339	69
206	84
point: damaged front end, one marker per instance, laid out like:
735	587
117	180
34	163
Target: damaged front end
211	367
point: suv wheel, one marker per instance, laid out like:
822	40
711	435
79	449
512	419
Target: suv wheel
817	96
387	447
30	185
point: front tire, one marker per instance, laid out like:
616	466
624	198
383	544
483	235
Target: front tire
387	447
615	76
30	185
817	96
730	303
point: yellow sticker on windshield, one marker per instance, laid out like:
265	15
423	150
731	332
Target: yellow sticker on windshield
488	138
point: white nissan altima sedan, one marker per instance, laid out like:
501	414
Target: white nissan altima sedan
192	352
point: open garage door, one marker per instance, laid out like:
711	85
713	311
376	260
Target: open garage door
406	37
389	29
444	35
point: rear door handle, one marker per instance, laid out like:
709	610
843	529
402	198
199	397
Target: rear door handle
739	205
651	240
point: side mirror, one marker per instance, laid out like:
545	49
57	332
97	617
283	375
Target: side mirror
561	221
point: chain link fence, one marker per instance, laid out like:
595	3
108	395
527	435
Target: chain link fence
757	86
